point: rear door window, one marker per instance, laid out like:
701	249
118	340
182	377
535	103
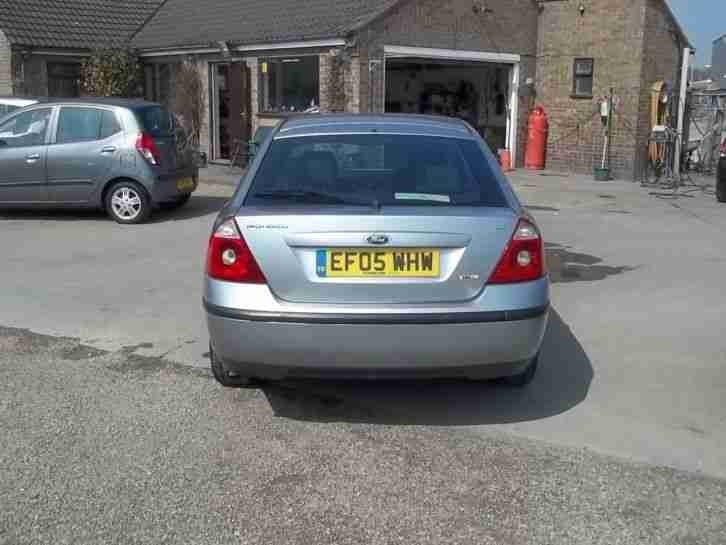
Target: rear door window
394	170
109	125
78	125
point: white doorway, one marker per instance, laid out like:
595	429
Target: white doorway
478	87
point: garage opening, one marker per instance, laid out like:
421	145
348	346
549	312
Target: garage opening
478	92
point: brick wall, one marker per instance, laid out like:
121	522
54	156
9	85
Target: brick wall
332	81
510	27
611	33
204	130
662	60
6	66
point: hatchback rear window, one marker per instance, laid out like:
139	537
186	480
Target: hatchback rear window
156	121
390	170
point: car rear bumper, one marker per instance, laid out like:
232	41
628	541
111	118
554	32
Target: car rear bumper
278	345
165	187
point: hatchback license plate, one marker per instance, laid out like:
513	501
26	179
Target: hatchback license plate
185	184
392	262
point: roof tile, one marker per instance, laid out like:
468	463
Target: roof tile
75	24
193	22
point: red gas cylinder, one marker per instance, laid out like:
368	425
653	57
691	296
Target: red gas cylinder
534	157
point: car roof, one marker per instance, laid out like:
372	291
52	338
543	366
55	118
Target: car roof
420	125
132	103
20	101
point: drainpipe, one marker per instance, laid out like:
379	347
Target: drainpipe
682	100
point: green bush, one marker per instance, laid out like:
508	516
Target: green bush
113	73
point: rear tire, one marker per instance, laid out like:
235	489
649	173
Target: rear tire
224	377
525	377
128	203
173	205
721	191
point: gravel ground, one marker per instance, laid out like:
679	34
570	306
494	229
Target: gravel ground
113	447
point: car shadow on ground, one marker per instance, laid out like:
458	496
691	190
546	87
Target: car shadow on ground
198	206
563	381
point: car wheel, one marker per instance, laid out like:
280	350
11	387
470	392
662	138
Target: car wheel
173	205
128	203
525	377
224	377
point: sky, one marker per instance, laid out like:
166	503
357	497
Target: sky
703	21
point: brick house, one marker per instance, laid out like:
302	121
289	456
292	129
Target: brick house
43	42
488	61
266	61
626	45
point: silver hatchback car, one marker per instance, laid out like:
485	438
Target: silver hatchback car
120	155
375	246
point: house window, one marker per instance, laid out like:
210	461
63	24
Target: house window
64	79
289	85
583	76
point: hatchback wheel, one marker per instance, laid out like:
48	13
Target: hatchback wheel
224	377
127	202
525	377
721	192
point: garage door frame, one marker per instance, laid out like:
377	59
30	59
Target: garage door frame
399	51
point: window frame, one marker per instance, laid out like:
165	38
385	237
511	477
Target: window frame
49	127
580	76
280	59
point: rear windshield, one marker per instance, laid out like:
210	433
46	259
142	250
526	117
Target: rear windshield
156	121
389	170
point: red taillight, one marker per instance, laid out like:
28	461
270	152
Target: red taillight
230	259
723	149
523	259
147	148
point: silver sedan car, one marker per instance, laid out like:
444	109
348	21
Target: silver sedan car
375	246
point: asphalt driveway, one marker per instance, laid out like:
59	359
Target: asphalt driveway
109	412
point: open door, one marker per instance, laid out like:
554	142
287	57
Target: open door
232	108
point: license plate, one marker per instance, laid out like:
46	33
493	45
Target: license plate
392	262
185	184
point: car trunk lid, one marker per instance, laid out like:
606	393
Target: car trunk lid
433	255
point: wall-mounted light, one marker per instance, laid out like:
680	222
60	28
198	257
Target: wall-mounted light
581	9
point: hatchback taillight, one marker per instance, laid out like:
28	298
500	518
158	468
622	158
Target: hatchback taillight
147	148
230	259
723	149
523	258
